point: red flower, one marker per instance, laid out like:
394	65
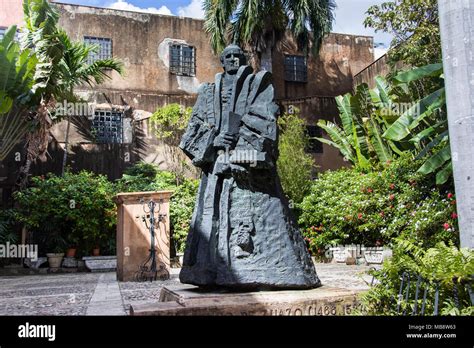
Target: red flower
382	214
392	186
454	215
446	226
359	215
369	190
450	195
391	197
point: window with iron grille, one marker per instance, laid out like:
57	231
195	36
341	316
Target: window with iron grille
104	51
107	126
314	145
182	60
296	69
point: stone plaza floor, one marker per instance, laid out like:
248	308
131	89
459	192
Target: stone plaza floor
102	294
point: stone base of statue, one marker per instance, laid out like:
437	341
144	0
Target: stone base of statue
189	300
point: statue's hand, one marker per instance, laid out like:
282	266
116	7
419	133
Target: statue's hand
224	140
238	172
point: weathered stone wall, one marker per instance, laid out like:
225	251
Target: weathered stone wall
140	40
11	13
331	72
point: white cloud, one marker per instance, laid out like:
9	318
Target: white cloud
193	10
123	5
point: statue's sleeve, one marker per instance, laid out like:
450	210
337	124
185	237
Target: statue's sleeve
197	141
258	130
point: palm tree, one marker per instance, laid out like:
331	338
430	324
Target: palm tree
77	71
262	23
60	67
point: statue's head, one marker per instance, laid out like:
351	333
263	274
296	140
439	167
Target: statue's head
232	58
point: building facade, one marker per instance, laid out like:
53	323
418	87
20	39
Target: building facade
166	58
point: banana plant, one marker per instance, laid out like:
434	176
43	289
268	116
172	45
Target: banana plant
363	120
17	69
425	124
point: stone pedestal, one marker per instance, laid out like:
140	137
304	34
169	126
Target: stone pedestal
189	300
133	236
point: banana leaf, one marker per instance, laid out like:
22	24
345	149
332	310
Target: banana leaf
418	73
436	161
401	127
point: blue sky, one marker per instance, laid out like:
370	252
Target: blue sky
350	14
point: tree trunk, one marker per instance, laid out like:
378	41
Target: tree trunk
457	37
66	145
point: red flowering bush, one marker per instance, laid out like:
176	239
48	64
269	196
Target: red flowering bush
374	208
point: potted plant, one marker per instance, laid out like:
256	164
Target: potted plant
56	244
73	243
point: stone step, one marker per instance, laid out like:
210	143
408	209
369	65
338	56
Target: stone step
186	300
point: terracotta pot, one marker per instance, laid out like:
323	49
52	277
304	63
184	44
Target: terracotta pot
71	252
55	260
95	252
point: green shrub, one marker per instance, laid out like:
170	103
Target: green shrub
181	211
351	207
170	121
294	164
74	210
7	227
147	177
441	263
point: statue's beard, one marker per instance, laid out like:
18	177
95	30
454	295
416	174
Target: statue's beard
231	69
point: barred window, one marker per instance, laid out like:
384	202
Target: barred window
182	60
107	126
104	51
314	145
296	69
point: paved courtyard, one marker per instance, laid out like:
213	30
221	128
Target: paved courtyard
101	294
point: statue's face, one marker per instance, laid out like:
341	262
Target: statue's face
232	60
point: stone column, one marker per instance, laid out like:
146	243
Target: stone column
133	236
457	36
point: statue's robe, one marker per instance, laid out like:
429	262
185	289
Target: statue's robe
242	233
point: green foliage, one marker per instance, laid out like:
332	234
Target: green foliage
7	227
381	124
294	164
349	206
16	82
257	23
77	208
364	117
170	121
147	177
181	211
414	25
16	72
442	264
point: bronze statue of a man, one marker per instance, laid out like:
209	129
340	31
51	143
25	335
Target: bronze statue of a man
242	233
